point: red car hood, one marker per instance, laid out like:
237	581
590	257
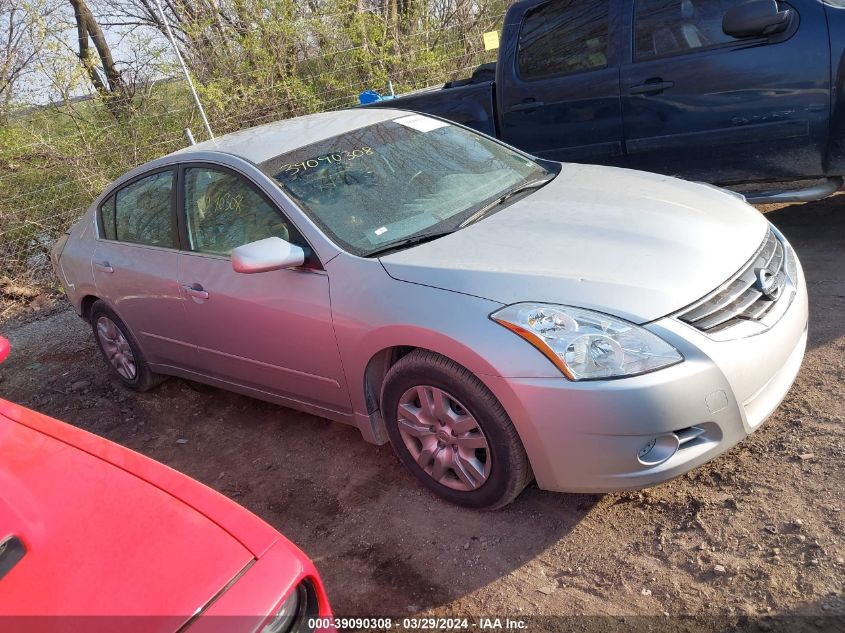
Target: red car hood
99	538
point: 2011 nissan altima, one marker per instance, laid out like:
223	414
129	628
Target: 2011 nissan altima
496	317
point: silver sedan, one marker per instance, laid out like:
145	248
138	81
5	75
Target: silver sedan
496	317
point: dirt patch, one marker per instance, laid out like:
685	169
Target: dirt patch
757	531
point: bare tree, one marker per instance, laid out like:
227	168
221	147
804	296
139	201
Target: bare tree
105	75
17	49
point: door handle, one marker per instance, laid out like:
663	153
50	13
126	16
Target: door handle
195	290
103	267
527	105
652	86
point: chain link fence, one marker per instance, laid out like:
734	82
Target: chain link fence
55	159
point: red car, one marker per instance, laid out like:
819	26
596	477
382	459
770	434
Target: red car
93	530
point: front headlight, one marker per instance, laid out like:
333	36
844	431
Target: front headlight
586	345
289	613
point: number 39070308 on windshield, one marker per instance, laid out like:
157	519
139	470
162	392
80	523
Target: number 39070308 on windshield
291	169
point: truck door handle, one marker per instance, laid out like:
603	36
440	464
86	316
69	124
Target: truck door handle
652	86
527	105
195	290
104	267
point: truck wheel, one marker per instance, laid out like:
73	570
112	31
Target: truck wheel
449	430
120	350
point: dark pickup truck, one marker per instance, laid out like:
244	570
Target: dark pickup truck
724	91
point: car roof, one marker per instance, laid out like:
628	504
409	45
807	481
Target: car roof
261	143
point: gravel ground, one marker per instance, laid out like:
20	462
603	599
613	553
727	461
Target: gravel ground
754	535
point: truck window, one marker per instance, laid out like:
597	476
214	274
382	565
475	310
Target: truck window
671	27
563	37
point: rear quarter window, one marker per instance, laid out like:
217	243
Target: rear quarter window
107	227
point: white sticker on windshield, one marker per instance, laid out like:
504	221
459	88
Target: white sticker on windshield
381	231
421	123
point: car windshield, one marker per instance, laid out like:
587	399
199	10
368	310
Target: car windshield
398	180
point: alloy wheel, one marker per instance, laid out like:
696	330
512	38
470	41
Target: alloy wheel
117	349
444	438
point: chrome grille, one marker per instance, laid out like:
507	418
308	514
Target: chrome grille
741	298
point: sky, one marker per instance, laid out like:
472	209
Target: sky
142	48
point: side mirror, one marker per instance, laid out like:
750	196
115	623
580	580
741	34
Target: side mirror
272	253
5	348
758	17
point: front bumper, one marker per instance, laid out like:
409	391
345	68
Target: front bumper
587	436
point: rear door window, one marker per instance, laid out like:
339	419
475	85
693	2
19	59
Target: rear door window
144	211
564	37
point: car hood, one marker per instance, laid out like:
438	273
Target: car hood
100	541
628	243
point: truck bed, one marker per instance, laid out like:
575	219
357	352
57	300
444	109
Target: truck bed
471	105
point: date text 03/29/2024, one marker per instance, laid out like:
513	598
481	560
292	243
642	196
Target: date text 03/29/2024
410	624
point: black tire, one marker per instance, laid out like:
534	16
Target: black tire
143	379
510	470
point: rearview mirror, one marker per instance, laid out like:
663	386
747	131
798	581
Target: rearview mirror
272	253
758	17
4	349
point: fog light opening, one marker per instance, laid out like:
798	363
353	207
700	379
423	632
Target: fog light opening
658	449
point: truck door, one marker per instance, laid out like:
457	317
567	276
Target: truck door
700	104
558	85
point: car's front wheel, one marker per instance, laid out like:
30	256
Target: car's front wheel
452	433
120	350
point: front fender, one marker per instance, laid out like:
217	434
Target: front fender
373	312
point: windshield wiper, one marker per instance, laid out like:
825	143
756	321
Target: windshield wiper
427	237
411	241
531	184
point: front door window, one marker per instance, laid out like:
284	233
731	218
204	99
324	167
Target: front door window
224	211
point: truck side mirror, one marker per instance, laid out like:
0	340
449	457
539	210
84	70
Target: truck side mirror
758	17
